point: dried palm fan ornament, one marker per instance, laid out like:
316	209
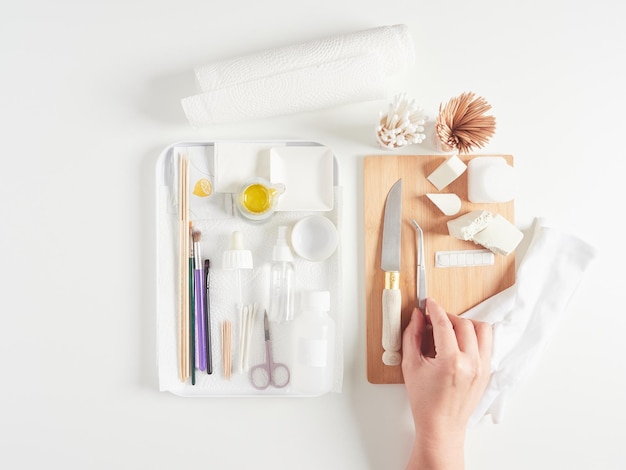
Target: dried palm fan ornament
462	124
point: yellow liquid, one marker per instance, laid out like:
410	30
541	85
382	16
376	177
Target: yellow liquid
256	198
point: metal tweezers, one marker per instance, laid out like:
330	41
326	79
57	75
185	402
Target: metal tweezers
420	282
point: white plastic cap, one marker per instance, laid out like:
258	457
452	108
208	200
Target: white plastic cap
315	300
236	241
236	257
282	252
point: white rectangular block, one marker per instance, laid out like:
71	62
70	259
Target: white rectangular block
500	236
447	172
463	258
447	203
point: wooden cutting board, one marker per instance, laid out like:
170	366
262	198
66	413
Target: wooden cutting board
455	288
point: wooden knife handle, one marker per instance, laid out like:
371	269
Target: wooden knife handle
392	319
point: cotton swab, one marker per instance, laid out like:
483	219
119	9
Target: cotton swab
247	314
249	327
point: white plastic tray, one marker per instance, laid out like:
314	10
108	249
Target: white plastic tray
216	217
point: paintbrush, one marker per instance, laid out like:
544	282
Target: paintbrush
200	288
192	316
207	317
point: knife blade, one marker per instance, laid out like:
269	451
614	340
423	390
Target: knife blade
390	264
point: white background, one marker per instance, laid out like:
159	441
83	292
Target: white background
90	95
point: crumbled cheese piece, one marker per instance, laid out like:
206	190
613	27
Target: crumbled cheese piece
500	236
447	203
468	225
447	172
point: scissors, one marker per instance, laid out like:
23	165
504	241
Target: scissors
269	373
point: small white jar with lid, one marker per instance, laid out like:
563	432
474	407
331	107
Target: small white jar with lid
490	180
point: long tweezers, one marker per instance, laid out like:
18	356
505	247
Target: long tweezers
420	273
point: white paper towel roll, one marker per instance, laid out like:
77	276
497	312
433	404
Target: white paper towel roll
315	87
392	45
303	77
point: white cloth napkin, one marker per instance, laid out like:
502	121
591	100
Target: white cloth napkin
525	315
302	77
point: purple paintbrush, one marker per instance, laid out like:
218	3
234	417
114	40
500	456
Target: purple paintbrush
200	287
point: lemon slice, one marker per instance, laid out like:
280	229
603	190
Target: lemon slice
203	188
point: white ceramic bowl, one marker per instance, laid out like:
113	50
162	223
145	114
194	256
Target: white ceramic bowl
314	238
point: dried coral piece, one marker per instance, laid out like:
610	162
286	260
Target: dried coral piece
402	125
463	125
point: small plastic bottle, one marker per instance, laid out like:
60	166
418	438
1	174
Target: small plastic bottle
313	347
282	280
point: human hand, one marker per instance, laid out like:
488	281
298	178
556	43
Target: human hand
444	386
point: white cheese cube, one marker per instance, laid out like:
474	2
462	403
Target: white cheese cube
448	203
500	236
468	225
447	172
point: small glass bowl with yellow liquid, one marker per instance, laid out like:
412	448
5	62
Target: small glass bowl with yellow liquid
257	198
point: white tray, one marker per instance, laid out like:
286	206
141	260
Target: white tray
217	218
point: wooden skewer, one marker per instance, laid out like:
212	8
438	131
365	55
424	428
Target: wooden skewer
462	122
183	239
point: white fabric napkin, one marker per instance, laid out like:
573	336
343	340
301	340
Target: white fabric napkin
302	77
525	315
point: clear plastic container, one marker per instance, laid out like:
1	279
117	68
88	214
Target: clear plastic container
313	345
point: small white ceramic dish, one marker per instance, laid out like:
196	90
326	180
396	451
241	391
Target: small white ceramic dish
314	238
235	162
307	173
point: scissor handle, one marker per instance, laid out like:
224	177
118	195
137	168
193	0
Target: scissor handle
280	375
260	376
270	372
279	372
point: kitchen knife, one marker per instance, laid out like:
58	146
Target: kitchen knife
390	264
